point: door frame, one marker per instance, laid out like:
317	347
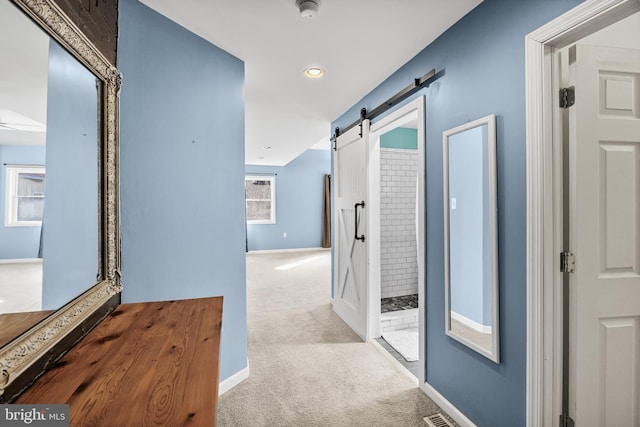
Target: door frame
544	198
396	118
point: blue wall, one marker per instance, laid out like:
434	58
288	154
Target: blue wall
481	60
70	220
182	171
299	203
18	242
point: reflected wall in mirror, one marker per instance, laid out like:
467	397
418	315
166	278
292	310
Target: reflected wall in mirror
471	256
49	145
59	237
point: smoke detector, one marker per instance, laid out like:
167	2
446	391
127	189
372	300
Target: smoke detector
308	8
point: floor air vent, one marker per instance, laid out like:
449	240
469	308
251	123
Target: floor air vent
437	420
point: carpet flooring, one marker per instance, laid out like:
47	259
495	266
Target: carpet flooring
20	287
307	367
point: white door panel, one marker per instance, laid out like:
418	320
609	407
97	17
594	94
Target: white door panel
605	237
350	257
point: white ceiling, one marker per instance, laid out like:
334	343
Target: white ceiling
24	55
358	43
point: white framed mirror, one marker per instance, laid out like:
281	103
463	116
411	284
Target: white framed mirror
470	240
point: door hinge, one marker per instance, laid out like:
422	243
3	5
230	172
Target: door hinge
567	262
567	97
566	421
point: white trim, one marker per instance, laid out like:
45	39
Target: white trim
272	251
374	198
431	392
447	406
544	311
21	261
233	380
478	327
400	116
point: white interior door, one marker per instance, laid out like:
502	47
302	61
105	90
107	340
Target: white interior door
604	356
350	216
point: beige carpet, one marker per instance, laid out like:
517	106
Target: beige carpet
307	367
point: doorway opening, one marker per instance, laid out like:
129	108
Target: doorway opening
548	230
396	285
398	244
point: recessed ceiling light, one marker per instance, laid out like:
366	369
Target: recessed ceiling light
314	72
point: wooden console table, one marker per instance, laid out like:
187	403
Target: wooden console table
146	364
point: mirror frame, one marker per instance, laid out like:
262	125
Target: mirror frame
24	358
490	122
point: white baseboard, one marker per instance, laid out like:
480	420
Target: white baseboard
478	327
273	251
447	406
233	380
431	392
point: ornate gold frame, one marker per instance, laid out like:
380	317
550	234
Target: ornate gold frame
25	350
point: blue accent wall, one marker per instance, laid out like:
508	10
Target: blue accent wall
18	242
70	219
480	61
299	203
182	171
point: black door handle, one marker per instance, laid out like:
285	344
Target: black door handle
361	204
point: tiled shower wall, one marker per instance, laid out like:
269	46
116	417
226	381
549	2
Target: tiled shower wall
399	263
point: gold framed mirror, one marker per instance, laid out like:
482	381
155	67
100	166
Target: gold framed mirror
94	293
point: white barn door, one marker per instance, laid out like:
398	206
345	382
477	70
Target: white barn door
604	356
350	216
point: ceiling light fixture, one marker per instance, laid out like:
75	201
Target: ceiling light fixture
314	72
308	8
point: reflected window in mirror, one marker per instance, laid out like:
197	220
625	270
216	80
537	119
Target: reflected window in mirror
24	197
471	282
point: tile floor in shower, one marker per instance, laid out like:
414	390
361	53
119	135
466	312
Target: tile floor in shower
405	302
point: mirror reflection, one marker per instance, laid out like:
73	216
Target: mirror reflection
49	177
471	247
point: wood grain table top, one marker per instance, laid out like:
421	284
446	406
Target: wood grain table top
146	364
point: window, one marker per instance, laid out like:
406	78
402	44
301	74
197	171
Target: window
24	201
260	192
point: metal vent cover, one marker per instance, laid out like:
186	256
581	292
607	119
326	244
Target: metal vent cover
437	420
